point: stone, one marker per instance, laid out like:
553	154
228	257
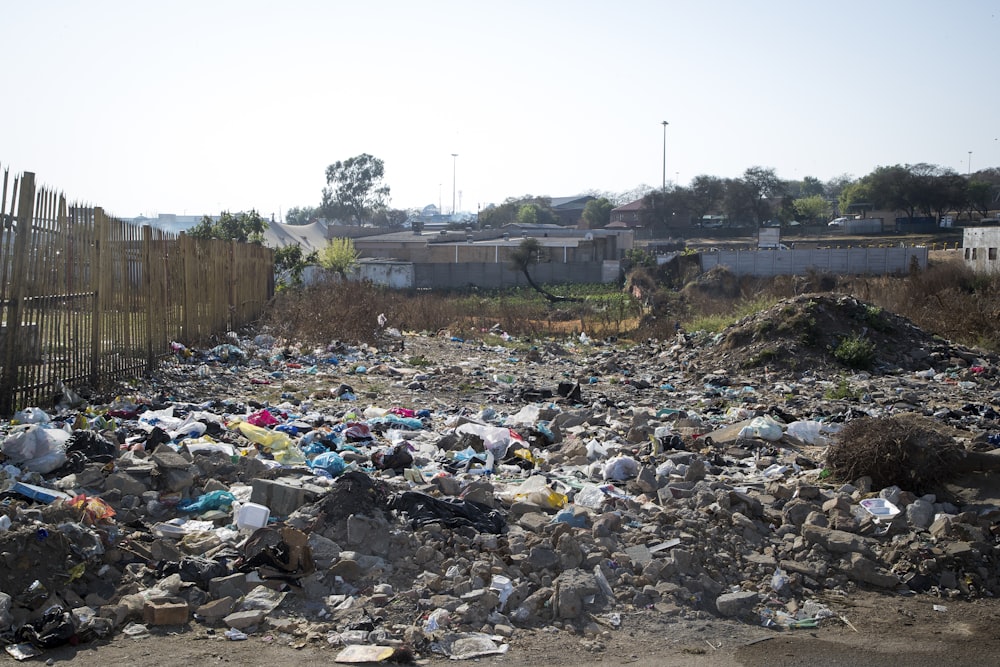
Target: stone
920	513
347	569
540	558
242	620
165	611
233	585
835	541
736	605
126	483
867	571
214	611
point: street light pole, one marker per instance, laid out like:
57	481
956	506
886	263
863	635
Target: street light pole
970	164
665	123
454	159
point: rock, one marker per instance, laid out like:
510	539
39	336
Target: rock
867	571
736	605
243	620
835	541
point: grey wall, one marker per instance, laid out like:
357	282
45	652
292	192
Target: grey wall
490	275
832	260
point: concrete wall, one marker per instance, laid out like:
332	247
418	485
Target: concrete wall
832	260
980	245
492	275
398	275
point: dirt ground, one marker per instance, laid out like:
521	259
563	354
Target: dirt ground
878	629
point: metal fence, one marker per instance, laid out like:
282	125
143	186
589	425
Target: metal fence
87	299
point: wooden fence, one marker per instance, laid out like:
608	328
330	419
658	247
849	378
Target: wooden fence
88	299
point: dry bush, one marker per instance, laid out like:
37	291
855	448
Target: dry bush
947	299
905	452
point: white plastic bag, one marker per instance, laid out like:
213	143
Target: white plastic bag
36	449
621	468
765	428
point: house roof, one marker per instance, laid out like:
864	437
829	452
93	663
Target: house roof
631	206
578	201
310	237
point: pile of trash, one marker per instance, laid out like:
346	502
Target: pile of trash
342	493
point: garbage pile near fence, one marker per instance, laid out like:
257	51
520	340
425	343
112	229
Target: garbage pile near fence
443	499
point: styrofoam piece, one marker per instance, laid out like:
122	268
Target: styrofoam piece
253	515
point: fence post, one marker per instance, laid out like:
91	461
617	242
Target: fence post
22	236
187	288
148	291
97	282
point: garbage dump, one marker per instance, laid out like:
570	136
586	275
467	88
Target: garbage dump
437	500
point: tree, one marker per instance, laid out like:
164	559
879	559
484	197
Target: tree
289	264
300	215
339	256
761	184
390	217
664	210
242	227
508	212
812	186
527	254
597	213
813	208
355	188
705	195
737	202
979	196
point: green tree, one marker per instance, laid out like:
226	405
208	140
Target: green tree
289	264
339	256
390	217
665	210
762	184
528	253
496	216
300	215
242	227
705	196
597	213
979	197
528	215
812	208
355	188
737	202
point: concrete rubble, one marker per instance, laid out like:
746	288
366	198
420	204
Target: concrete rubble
445	498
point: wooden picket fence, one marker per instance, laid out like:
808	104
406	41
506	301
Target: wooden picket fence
88	299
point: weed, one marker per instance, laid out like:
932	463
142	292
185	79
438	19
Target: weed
855	351
766	356
842	391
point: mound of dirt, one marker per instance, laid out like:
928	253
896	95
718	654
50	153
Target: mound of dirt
827	332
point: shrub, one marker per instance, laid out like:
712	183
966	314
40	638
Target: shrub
855	351
906	452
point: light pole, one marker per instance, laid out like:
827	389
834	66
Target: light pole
665	123
970	164
454	160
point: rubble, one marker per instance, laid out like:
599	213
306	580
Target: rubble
445	501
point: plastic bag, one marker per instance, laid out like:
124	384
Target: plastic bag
332	462
31	416
765	428
621	468
496	439
209	501
37	449
812	432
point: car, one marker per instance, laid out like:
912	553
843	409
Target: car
837	222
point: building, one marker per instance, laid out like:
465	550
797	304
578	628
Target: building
980	246
569	210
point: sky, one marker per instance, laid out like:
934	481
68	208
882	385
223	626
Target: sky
194	107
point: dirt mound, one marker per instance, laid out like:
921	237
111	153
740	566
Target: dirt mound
826	331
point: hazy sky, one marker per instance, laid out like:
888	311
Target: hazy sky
197	107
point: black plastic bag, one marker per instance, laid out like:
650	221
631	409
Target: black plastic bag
423	509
